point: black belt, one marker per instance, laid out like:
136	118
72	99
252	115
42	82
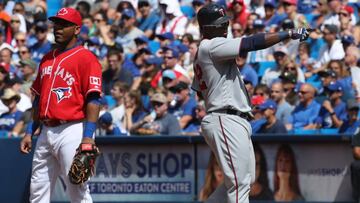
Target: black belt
248	116
55	122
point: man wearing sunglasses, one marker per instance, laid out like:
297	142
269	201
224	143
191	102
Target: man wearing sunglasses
217	79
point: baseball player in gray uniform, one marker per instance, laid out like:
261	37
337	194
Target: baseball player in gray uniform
217	79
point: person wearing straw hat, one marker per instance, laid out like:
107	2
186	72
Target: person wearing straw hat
14	116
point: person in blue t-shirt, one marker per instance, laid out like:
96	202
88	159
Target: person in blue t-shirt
305	113
42	46
106	124
272	125
351	124
149	19
333	110
13	117
183	106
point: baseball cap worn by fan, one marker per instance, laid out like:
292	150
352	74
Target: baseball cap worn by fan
270	3
268	104
180	86
106	119
166	35
28	62
159	97
169	74
326	73
292	2
258	23
174	51
128	13
334	86
68	14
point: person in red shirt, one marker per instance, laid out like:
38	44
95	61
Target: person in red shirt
67	102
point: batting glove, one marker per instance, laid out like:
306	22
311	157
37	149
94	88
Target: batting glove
300	33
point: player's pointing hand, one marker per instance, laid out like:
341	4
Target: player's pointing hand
300	33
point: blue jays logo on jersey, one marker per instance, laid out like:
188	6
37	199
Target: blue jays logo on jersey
62	93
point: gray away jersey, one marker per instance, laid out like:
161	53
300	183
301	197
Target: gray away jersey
217	77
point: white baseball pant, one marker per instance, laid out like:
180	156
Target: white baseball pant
54	153
229	137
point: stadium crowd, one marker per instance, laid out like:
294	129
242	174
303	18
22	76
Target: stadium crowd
147	49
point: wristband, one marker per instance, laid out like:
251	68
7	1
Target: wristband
332	113
89	129
284	35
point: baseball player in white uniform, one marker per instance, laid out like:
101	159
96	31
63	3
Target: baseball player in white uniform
218	80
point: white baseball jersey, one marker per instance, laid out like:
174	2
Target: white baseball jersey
217	76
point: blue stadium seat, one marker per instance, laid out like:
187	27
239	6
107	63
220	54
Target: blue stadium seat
305	132
329	131
261	67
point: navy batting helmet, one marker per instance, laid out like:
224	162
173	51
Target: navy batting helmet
212	15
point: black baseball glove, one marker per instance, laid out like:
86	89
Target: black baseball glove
83	165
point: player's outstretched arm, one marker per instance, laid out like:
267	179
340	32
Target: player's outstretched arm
265	40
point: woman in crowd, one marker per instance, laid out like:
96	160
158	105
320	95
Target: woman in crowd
134	110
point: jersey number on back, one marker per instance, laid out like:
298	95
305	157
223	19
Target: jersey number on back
199	74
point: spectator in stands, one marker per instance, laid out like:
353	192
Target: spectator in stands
188	66
239	11
42	46
344	77
333	110
271	74
333	18
290	7
263	91
351	124
13	116
200	113
88	21
192	27
214	177
20	40
134	110
289	81
346	27
327	77
134	66
84	8
351	57
24	53
17	24
249	26
306	112
355	167
286	178
292	67
263	54
272	125
115	71
237	30
6	53
118	92
260	189
128	31
165	39
284	109
106	124
333	49
292	46
170	56
173	21
246	70
272	17
148	19
28	69
183	107
159	121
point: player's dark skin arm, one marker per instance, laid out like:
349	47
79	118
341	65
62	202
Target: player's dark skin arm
262	41
92	115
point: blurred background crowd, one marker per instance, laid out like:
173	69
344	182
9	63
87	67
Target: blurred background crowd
147	49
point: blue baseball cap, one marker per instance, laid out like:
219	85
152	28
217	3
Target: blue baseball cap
347	39
201	2
259	23
335	86
270	3
128	12
153	60
106	118
268	104
173	49
166	35
169	74
142	39
182	48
